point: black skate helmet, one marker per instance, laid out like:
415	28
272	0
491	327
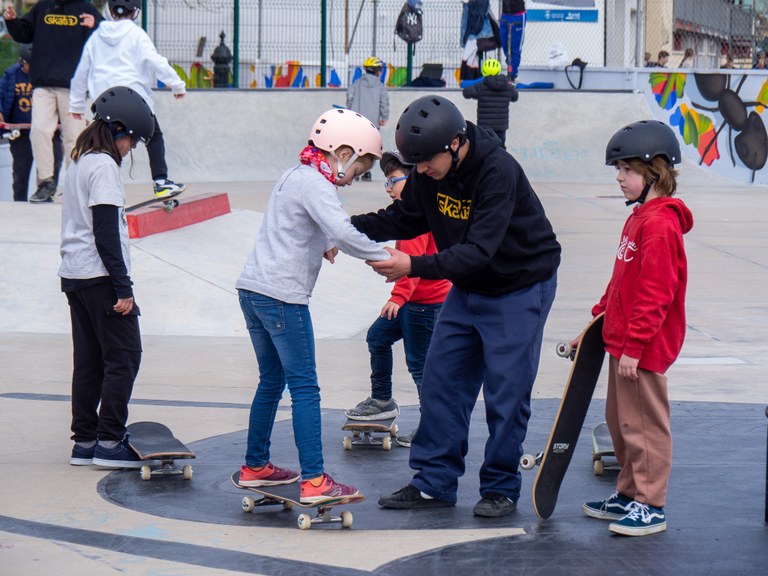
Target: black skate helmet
391	155
123	106
25	52
427	127
123	7
645	140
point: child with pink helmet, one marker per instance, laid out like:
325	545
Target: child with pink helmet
304	223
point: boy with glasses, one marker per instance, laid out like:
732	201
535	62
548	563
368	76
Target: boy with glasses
409	314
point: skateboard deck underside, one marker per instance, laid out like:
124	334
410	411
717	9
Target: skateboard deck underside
569	421
369	425
163	200
154	441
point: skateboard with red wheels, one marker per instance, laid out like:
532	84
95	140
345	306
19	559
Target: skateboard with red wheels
289	495
554	460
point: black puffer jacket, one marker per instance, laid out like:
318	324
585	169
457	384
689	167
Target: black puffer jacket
493	96
512	6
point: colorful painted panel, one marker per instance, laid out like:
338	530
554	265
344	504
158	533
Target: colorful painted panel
719	117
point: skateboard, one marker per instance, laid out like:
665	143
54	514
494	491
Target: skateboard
13	131
553	462
288	496
368	432
602	448
155	441
169	202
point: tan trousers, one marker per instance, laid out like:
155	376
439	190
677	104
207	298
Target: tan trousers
637	413
50	107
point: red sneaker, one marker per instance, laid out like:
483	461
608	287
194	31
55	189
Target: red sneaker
269	475
328	489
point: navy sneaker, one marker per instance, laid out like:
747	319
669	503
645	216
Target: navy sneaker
614	508
82	456
641	520
412	497
121	456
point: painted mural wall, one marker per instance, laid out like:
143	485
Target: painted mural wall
720	119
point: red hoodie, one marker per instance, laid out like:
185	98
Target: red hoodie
644	302
420	290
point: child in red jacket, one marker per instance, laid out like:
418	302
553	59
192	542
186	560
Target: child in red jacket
644	329
409	314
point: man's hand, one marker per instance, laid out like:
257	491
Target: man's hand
396	267
628	367
87	20
390	310
9	13
123	306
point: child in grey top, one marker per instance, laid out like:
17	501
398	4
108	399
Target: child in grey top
304	223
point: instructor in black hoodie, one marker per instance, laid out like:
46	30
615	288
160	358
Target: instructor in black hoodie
498	248
59	30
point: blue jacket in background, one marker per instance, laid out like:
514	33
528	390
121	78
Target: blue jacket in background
15	110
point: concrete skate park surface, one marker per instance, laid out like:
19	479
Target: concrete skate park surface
199	373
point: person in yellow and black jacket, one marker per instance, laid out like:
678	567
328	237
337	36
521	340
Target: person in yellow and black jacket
59	30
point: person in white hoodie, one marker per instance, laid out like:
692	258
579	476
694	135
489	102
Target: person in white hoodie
121	53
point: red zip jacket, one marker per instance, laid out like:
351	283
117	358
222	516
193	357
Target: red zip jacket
644	302
420	290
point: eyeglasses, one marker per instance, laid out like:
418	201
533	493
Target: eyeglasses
390	182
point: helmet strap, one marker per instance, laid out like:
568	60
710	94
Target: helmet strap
343	171
455	154
643	195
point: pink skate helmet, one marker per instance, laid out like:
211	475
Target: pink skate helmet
341	127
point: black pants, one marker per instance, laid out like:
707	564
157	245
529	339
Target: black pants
21	151
107	355
156	152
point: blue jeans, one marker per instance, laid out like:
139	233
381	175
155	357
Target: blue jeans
512	32
284	343
493	342
414	324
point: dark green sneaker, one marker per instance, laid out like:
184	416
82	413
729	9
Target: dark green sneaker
494	505
641	520
614	508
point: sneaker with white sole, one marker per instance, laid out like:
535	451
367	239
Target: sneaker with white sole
119	456
328	488
82	453
641	520
372	409
165	187
614	508
269	475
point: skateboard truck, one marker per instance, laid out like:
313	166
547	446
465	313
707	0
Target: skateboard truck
166	468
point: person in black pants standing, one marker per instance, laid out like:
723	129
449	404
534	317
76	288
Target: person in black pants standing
95	276
493	96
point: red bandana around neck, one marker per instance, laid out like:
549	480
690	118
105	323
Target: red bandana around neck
312	156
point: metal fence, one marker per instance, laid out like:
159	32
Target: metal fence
281	42
286	43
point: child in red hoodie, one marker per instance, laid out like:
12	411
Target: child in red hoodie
409	314
644	328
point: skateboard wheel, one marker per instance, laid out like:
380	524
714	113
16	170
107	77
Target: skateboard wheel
527	461
187	472
248	504
287	505
564	349
347	443
169	206
346	519
599	468
146	472
393	431
355	434
304	522
386	443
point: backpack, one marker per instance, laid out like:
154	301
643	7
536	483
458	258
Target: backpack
409	25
